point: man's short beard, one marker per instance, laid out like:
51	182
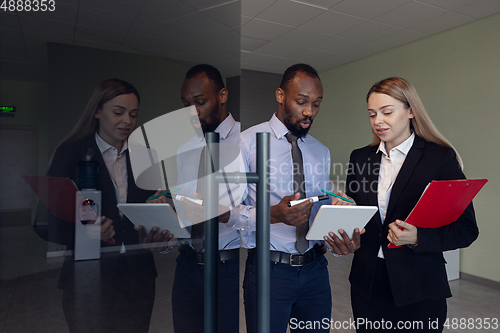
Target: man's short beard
295	129
214	121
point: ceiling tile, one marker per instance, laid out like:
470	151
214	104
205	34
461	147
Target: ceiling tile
165	10
338	60
258	59
245	19
32	24
332	23
218	55
302	37
480	9
148	44
190	46
196	24
142	22
258	68
108	35
250	44
264	30
369	31
107	20
35	38
401	37
228	14
442	23
368	9
367	49
64	13
449	4
337	44
160	30
410	14
289	13
252	8
204	4
310	55
321	3
228	39
99	4
278	49
94	42
128	7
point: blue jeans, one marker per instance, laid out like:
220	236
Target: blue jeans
188	295
299	295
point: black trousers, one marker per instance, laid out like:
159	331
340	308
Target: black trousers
381	314
188	296
114	294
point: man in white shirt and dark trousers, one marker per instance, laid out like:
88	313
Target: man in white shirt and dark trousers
203	87
299	168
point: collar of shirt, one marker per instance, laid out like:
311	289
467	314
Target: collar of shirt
225	127
280	130
403	147
104	146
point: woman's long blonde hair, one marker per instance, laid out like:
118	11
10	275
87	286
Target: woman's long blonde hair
421	123
105	91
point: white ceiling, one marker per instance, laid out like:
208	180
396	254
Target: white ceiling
264	35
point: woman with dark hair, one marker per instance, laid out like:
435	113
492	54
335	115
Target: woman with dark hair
402	289
115	293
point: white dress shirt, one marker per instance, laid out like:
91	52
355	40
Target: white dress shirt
389	170
230	195
316	159
117	168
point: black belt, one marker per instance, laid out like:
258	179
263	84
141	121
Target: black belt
199	258
295	259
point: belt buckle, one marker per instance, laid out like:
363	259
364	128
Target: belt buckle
296	260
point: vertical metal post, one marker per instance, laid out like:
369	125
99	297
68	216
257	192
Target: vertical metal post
263	216
211	234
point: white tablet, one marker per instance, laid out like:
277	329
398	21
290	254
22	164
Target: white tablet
150	215
332	218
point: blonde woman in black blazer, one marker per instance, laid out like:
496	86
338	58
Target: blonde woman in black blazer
117	292
403	286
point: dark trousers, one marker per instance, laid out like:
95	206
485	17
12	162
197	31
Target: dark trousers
188	296
108	295
298	295
380	314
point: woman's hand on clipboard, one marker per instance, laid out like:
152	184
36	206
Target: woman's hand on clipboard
345	245
402	233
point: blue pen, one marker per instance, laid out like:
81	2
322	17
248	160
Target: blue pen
336	195
159	195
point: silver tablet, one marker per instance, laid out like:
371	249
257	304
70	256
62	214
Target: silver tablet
332	218
150	215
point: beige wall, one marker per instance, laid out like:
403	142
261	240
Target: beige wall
457	74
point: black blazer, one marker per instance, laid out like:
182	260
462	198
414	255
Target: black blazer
65	164
415	274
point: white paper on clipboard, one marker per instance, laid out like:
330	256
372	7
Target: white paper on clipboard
332	218
150	215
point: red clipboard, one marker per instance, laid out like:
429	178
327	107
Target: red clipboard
442	202
57	194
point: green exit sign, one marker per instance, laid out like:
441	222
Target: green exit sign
8	109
